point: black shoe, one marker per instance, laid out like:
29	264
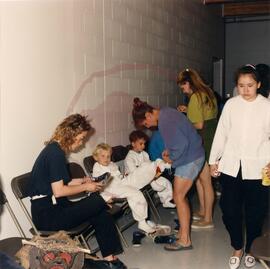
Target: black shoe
102	264
117	264
105	178
177	226
96	264
164	239
137	238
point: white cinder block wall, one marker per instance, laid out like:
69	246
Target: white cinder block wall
93	57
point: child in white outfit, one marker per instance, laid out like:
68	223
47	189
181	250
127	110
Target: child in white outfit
138	158
122	186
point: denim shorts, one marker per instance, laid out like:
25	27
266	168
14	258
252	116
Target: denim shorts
190	170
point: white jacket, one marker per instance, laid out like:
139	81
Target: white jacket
135	159
243	135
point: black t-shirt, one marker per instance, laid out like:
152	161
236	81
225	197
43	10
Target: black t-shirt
49	167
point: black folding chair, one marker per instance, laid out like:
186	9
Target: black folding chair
11	245
19	187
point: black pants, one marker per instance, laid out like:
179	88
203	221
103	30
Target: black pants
243	201
66	215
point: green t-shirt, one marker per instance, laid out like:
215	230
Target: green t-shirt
198	112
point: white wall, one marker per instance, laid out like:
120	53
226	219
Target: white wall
91	56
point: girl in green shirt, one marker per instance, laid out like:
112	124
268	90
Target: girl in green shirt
202	112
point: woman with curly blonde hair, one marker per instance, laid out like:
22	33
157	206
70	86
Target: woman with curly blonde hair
50	185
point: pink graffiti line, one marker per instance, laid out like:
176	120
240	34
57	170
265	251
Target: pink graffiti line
167	73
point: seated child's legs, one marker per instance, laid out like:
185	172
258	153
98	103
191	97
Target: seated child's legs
166	193
137	204
141	176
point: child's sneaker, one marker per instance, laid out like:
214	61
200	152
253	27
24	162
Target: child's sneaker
105	178
146	227
137	238
162	165
168	205
164	239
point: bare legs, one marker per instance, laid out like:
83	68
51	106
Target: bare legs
181	188
205	193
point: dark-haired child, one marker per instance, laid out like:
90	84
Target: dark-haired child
137	157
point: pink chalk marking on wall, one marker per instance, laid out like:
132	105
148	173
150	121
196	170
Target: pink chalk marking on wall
167	73
111	102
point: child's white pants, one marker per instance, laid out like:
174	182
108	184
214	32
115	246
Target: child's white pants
143	175
135	199
166	194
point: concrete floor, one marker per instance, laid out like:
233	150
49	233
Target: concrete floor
211	248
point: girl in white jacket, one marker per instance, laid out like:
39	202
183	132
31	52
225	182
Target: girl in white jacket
240	150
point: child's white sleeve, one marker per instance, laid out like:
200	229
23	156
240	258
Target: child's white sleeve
98	170
130	164
146	157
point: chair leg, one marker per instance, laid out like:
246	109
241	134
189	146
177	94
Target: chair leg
264	264
81	239
121	236
152	206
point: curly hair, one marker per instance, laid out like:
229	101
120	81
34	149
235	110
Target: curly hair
136	135
197	85
99	147
68	129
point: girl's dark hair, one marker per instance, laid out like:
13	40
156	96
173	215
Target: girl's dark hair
68	129
247	70
136	135
264	73
139	110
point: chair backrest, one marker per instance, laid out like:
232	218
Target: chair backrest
88	163
19	187
75	170
3	198
4	201
119	153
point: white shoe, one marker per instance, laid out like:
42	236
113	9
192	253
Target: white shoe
234	262
156	186
159	228
162	165
249	261
169	205
142	225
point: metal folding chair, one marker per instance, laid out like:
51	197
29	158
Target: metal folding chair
19	187
11	245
